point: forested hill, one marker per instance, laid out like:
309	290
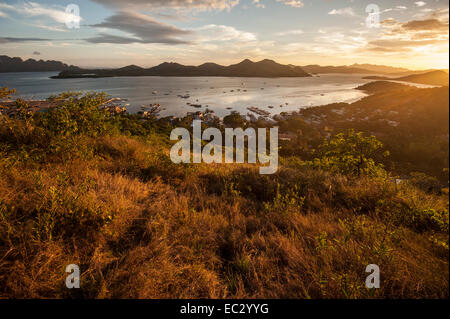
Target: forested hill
8	64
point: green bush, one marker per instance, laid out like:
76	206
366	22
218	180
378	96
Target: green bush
81	116
351	154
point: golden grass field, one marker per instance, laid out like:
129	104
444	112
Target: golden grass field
142	227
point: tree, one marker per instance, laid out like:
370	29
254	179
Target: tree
351	153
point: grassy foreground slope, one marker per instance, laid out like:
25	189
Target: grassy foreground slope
79	186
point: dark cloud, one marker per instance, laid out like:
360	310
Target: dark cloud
402	37
429	26
396	43
384	50
425	25
142	29
427	35
19	40
108	38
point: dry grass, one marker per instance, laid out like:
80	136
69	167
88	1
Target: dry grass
142	227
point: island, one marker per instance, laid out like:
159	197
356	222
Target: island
247	68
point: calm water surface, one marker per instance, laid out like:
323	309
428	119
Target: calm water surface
220	94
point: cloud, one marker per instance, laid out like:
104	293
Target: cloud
51	28
114	39
412	35
343	12
440	14
428	26
292	3
425	25
290	32
32	9
420	3
2	14
173	4
396	43
341	41
396	8
414	39
6	6
20	40
214	32
141	29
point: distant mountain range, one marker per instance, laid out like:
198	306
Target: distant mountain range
246	68
8	64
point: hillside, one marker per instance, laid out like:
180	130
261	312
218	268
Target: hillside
413	123
381	86
246	68
8	64
437	77
431	78
81	185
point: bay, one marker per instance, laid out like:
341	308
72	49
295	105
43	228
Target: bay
220	94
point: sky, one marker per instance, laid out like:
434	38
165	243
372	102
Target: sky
115	33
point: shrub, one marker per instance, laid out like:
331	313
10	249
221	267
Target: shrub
426	183
77	117
351	154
